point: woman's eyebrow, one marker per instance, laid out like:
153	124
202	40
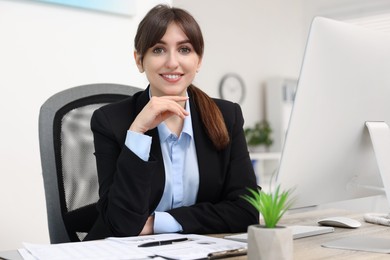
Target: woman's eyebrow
178	43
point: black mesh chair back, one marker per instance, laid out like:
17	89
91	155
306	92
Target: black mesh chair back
68	163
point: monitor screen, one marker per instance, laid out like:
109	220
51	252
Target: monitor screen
344	81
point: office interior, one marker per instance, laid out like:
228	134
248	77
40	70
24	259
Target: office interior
46	48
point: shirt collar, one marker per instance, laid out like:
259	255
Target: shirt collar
187	126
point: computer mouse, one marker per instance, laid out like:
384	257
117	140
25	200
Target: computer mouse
339	222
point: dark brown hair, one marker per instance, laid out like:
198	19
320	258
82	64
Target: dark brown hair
151	30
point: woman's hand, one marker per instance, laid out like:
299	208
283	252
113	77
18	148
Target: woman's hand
148	228
157	110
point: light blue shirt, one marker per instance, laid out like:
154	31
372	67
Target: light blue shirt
181	170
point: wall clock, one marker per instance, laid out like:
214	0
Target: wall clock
232	88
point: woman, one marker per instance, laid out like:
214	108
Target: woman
170	158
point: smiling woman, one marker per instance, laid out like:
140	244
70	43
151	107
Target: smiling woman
160	152
120	7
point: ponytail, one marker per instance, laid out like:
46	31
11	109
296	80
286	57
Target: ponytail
212	118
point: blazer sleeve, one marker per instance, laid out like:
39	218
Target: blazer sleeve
124	183
230	213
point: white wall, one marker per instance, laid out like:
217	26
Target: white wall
256	39
44	49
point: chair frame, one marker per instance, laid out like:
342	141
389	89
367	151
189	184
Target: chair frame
57	229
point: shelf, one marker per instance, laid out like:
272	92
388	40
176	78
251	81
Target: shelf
264	156
265	164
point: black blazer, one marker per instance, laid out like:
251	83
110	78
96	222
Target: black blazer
130	188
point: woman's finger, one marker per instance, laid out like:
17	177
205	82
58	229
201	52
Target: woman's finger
157	110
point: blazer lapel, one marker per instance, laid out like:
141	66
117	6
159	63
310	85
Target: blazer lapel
158	182
208	157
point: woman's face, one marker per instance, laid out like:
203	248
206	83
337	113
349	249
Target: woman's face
171	64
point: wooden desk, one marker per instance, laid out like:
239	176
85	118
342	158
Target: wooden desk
310	247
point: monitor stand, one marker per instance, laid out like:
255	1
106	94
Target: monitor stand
380	137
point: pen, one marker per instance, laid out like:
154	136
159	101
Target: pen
227	253
163	242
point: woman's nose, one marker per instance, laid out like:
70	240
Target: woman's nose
172	60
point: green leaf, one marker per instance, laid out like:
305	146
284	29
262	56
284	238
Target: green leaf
272	205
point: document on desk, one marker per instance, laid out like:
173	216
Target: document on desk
172	246
99	249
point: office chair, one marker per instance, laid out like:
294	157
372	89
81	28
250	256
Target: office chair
68	164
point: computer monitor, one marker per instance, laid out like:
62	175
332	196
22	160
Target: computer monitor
344	82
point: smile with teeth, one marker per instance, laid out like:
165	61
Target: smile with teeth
171	76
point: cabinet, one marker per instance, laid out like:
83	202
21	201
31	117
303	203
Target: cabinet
280	95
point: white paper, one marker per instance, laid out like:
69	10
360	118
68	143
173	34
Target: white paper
25	254
196	247
96	250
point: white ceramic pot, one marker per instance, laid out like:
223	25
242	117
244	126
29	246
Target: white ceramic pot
269	243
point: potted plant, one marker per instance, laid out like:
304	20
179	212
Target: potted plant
270	241
258	136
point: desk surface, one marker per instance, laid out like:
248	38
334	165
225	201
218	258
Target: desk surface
310	247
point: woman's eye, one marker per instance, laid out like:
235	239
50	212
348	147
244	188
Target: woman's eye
158	50
185	50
